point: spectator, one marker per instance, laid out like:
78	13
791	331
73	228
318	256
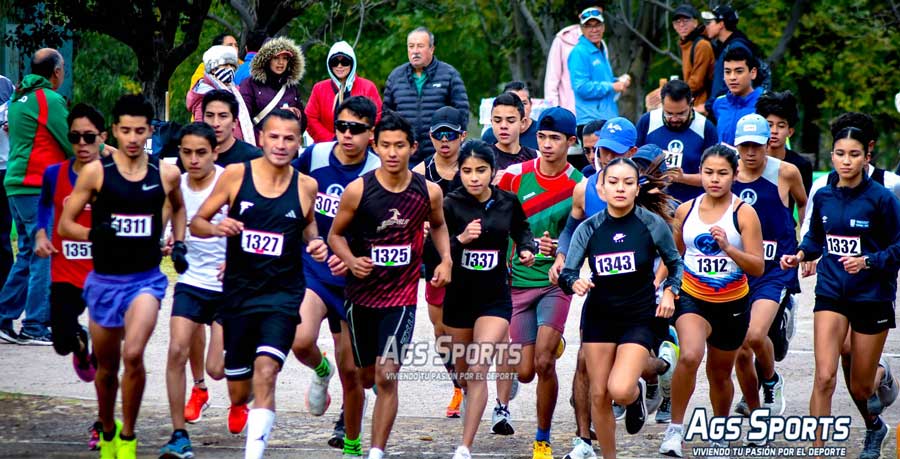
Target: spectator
528	137
274	81
507	116
589	139
39	138
698	59
780	110
221	62
330	93
740	70
592	77
254	42
721	26
219	40
557	81
683	133
415	90
7	89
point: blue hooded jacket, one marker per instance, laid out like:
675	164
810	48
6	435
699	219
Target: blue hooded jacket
728	109
592	82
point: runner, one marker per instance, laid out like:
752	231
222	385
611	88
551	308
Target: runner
507	119
270	216
70	261
769	185
447	135
721	242
544	187
334	165
856	230
382	215
198	293
127	192
617	329
220	111
481	220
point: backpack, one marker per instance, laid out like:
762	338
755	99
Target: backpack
164	143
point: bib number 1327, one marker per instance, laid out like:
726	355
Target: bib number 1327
391	255
262	242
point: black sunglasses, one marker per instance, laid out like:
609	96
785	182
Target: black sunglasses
89	137
354	127
340	60
445	135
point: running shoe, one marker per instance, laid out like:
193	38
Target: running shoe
317	397
618	411
8	335
94	441
636	412
84	366
501	420
669	352
874	443
742	408
542	450
790	326
664	412
672	442
178	447
237	418
718	444
462	453
127	449
337	435
31	340
561	347
773	396
580	450
110	449
886	393
453	407
197	404
654	398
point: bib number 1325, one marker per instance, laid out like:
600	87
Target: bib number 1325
391	255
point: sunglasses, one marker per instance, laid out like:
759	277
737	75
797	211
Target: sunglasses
89	137
445	135
591	14
354	127
340	60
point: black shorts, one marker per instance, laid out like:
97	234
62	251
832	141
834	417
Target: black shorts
376	332
463	314
729	321
196	304
250	336
868	318
66	304
660	327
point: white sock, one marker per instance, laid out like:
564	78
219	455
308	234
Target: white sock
259	429
677	427
375	453
463	450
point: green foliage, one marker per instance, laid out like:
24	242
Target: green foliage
103	70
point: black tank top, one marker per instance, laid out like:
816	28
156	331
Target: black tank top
264	263
432	175
134	210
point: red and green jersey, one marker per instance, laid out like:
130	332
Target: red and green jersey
37	135
547	202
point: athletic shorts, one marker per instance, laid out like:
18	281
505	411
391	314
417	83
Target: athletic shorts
618	332
773	285
376	332
196	304
109	296
66	304
249	336
537	307
729	321
463	314
434	295
333	297
868	318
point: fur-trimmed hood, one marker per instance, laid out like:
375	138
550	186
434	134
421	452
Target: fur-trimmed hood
259	67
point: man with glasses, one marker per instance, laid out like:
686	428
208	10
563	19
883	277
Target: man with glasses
677	128
528	136
588	141
697	56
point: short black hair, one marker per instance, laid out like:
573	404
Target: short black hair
221	95
739	53
781	104
45	64
256	39
510	99
676	90
861	121
517	86
133	105
220	39
392	121
283	114
591	128
478	149
361	107
723	152
87	111
199	129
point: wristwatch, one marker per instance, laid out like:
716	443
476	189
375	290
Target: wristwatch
868	262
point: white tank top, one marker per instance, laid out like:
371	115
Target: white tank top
710	274
204	255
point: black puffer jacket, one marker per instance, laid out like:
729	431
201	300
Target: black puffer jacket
442	87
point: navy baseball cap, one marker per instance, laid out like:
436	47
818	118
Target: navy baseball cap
618	135
685	10
558	119
645	156
447	117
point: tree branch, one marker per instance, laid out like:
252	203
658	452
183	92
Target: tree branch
780	49
231	28
538	33
646	41
362	20
247	17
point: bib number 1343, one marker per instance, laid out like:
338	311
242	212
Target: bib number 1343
614	263
391	255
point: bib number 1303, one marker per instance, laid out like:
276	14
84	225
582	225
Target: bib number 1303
391	255
262	243
614	263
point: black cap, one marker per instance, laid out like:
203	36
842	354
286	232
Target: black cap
686	10
726	13
447	117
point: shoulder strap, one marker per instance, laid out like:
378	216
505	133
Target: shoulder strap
734	215
878	176
271	106
693	47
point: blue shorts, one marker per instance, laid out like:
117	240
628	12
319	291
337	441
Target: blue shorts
109	296
773	285
333	297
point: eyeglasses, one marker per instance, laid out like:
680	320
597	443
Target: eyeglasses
682	20
354	127
89	137
445	134
340	60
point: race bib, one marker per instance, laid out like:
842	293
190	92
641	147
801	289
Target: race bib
132	225
674	159
262	243
76	250
712	266
480	260
845	246
391	255
327	204
769	249
611	264
538	255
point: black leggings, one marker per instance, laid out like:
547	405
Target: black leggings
66	304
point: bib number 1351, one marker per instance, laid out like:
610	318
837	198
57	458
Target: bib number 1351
614	263
391	255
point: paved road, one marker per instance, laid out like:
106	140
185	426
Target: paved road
47	410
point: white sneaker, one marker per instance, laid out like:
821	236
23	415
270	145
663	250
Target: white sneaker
462	453
669	353
887	389
672	442
773	396
317	397
501	421
790	326
580	450
718	444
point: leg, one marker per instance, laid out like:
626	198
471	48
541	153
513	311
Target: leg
386	402
15	290
312	311
196	356
830	329
581	393
262	417
488	332
545	366
354	395
629	363
692	333
866	351
107	349
182	333
504	385
758	343
65	307
599	358
460	337
215	355
140	320
37	304
719	366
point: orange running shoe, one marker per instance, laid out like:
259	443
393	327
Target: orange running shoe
237	418
195	407
453	407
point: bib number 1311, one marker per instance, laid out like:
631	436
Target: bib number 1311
391	255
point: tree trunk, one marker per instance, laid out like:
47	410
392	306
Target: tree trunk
810	139
154	76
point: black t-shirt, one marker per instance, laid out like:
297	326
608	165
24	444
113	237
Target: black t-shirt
505	159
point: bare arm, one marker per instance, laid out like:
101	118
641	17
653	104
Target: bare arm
223	193
750	259
308	189
88	184
172	182
439	236
796	190
362	266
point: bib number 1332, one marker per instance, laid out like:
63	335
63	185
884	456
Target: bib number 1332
845	246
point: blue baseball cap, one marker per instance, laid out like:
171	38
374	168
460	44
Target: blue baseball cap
752	128
645	156
558	119
617	135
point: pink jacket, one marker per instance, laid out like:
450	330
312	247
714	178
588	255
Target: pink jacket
557	85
